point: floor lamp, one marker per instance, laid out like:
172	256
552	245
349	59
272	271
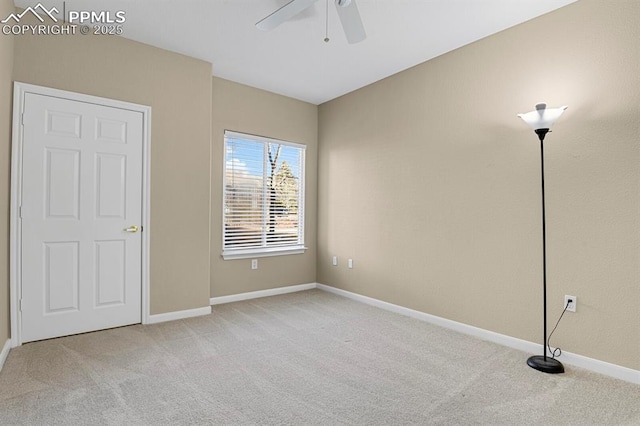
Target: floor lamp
541	121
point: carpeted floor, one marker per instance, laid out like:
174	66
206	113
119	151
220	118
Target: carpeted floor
308	358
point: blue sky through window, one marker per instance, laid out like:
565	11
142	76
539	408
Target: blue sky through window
246	157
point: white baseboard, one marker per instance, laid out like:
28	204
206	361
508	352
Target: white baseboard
261	293
602	367
5	352
172	316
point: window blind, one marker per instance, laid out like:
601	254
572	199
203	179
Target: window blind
263	196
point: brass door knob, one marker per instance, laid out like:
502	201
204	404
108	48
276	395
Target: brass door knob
132	229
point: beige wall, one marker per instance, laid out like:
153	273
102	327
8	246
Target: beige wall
249	110
6	100
430	182
178	89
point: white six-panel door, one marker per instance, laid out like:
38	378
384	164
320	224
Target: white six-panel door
81	204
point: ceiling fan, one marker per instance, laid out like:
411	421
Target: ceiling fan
347	11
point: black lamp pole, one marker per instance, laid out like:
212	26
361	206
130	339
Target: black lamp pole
542	363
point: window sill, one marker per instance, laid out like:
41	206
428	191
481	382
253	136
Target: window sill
268	252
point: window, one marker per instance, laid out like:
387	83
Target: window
263	197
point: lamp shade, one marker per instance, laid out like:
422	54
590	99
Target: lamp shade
542	117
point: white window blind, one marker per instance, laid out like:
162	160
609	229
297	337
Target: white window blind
263	197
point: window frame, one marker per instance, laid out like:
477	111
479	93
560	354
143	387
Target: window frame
264	251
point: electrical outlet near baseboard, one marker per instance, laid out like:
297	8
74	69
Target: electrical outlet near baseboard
571	306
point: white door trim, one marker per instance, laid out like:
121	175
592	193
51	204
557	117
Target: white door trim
15	239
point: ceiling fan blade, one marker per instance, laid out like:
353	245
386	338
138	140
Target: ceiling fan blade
351	22
283	14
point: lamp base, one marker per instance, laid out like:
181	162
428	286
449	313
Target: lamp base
548	365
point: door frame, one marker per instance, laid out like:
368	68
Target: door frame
15	223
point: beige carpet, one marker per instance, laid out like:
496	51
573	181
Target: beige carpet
302	359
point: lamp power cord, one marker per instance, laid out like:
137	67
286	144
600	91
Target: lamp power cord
557	351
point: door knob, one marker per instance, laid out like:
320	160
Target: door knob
132	229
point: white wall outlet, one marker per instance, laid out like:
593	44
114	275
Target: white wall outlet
350	263
335	260
571	306
254	263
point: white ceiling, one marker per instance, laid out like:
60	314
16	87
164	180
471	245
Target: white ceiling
293	59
